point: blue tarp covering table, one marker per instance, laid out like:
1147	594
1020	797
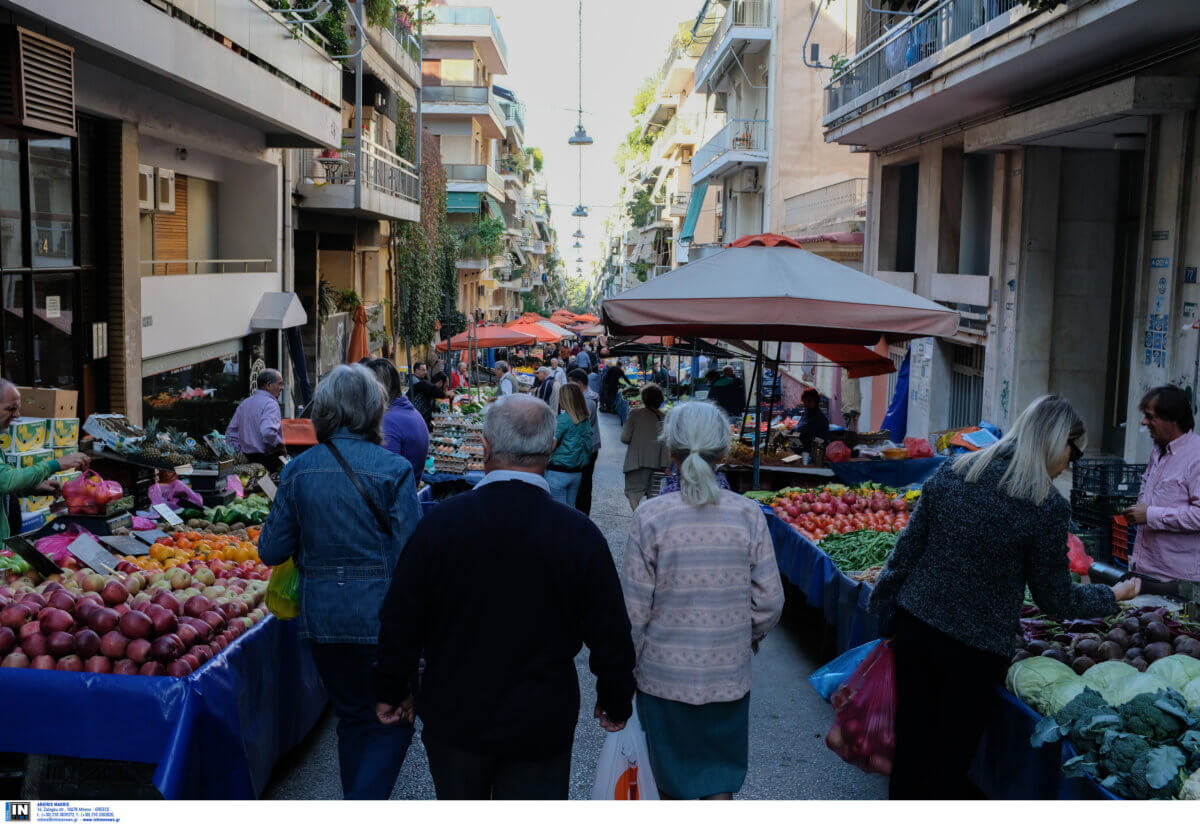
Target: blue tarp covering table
892	473
216	734
435	478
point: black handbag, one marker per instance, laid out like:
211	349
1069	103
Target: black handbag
380	518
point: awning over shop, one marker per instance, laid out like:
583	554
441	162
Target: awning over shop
462	203
536	330
278	310
688	230
494	207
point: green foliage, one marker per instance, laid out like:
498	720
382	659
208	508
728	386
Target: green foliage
453	321
644	96
327	299
380	12
640	206
536	158
578	297
530	303
417	245
482	239
406	131
634	148
348	301
642	269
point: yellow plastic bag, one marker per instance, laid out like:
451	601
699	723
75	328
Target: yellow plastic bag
283	591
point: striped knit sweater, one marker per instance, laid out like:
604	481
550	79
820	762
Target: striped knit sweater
701	584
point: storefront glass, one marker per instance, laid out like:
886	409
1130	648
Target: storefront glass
51	197
10	204
197	398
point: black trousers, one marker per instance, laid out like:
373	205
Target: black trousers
459	775
944	692
583	500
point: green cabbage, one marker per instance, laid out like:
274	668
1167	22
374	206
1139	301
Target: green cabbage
1031	680
1059	695
1105	675
1125	690
1191	694
1176	670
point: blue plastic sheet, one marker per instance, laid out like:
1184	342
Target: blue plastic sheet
435	478
215	734
892	473
828	678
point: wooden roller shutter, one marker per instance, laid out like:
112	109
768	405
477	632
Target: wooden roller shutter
170	233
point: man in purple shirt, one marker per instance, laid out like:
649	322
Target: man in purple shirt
1168	507
256	428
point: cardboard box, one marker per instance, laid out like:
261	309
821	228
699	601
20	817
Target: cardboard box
23	460
64	432
66	475
36	503
25	435
60	451
48	403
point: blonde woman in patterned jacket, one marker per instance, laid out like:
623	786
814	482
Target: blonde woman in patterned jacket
702	590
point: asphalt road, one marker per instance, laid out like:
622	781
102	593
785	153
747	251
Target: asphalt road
788	720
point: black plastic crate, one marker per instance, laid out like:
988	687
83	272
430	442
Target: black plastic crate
1098	542
1107	476
1097	511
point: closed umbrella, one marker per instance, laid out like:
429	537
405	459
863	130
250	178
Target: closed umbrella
357	350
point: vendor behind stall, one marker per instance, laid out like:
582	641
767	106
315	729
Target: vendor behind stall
815	425
257	428
14	482
1168	507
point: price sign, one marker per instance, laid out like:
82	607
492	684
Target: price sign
185	469
125	545
93	555
284	459
267	486
150	536
167	514
40	563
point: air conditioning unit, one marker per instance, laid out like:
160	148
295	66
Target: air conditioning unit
164	190
145	188
747	182
721	102
37	84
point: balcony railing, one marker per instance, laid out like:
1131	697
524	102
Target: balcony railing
865	82
736	136
678	130
191	266
407	40
469	173
514	112
382	170
825	204
464	96
678	204
460	16
749	13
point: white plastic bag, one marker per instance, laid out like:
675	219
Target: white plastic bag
623	771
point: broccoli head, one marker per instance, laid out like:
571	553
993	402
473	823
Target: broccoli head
1119	752
1086	719
1159	716
1157	766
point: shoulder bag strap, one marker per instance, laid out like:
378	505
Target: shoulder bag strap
362	490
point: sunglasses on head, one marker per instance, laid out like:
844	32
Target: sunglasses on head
1076	452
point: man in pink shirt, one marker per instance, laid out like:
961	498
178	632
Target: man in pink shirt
1168	507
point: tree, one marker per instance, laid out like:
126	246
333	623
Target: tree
640	206
578	297
536	158
419	247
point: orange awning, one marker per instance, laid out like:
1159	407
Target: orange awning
538	331
487	337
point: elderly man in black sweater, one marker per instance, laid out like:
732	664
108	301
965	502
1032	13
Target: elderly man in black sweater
499	613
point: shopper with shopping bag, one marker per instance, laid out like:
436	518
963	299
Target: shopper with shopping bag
623	772
702	590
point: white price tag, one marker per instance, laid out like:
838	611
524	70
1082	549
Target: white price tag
185	469
267	486
167	514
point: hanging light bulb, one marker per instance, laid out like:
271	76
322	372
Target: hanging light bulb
578	233
581	137
579	260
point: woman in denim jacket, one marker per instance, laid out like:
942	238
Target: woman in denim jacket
322	521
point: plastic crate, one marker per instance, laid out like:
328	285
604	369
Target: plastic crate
1123	536
1092	511
1107	476
1098	541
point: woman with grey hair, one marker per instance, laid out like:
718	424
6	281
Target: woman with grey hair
702	590
343	512
988	525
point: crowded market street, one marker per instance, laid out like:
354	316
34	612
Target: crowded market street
788	720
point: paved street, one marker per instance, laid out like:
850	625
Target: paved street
788	758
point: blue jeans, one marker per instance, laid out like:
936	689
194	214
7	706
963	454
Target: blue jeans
564	486
369	753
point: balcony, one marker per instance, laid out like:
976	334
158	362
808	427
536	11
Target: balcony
383	186
842	202
462	177
677	206
660	109
477	25
961	60
230	57
679	133
512	170
739	143
514	119
479	102
399	48
680	63
745	28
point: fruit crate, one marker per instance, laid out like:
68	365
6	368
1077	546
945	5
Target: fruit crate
1098	541
1123	536
1107	476
1092	511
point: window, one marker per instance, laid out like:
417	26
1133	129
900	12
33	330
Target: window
898	218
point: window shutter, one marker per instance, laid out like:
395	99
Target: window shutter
37	83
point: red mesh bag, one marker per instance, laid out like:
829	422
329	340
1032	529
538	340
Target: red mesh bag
837	452
1081	562
864	727
918	448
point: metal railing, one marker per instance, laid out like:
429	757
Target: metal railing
211	266
460	16
749	13
678	130
825	204
514	112
474	173
510	166
382	170
736	136
865	81
678	204
407	40
464	95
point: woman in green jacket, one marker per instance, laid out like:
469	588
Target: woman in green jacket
572	445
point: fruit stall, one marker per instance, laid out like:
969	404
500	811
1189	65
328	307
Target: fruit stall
158	649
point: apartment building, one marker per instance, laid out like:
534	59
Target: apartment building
346	201
143	245
1034	170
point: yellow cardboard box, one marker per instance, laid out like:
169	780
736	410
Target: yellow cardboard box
59	451
64	432
22	460
25	435
33	503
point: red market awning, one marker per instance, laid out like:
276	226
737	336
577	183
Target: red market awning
858	361
487	337
536	330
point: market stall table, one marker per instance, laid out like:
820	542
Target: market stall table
215	734
773	476
896	474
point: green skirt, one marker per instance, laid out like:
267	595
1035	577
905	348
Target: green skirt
696	750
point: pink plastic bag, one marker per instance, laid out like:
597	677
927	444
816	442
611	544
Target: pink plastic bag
864	729
1081	562
174	494
55	546
837	452
233	484
89	493
918	448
